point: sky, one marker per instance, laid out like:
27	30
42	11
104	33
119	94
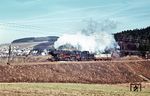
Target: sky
34	18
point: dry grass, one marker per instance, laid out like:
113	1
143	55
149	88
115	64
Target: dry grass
59	89
131	58
80	72
24	59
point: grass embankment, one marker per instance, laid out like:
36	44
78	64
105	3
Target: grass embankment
68	89
80	72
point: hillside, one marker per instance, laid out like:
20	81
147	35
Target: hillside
78	72
134	40
39	43
36	39
31	43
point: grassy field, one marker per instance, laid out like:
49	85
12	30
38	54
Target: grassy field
69	89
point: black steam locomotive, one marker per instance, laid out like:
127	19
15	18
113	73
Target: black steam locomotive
65	55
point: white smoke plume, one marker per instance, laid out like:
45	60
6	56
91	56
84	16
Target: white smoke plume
89	40
93	43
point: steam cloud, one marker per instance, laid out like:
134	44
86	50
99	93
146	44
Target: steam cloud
93	38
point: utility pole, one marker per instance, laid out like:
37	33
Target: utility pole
9	55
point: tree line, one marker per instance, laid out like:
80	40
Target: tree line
138	36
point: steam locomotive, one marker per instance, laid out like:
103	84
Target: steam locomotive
65	55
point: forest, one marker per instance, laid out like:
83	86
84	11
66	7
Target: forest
138	37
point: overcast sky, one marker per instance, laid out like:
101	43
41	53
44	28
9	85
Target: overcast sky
27	18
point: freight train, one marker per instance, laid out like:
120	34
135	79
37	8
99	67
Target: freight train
65	55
